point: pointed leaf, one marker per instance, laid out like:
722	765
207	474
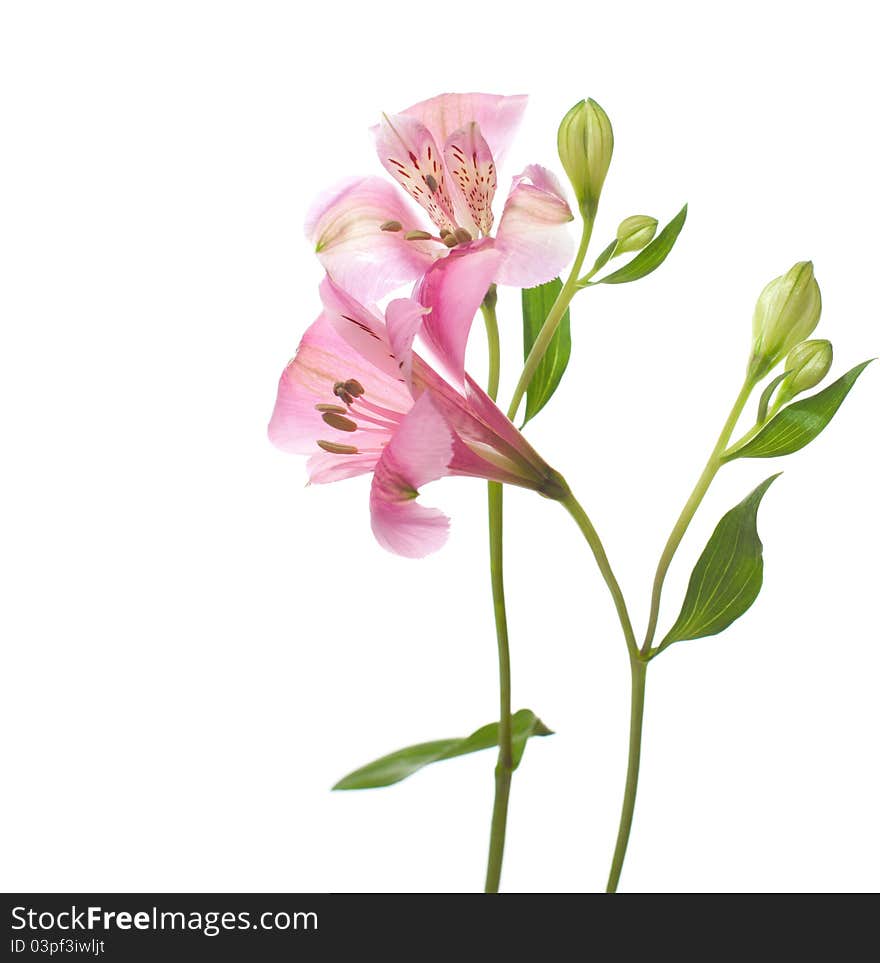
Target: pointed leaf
604	257
398	765
651	256
728	575
767	394
800	422
536	305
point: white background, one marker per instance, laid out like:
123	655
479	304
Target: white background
196	646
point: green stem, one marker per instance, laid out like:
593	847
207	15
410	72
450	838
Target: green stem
575	509
638	670
493	340
690	508
504	766
551	323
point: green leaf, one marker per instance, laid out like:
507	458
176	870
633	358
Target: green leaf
651	256
767	394
536	304
799	423
604	257
398	765
728	575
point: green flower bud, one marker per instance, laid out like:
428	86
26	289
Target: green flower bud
634	233
787	312
807	364
586	142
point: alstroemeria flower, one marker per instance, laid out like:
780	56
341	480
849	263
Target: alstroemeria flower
443	152
358	399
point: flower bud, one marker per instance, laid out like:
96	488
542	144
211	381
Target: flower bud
787	312
634	233
586	142
807	364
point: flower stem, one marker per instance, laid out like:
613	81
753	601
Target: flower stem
690	508
504	766
575	509
551	323
638	671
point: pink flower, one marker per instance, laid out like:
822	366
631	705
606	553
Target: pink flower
443	152
358	399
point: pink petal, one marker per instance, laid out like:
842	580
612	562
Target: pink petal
324	467
410	155
419	452
322	359
472	172
453	289
359	328
498	117
345	223
403	318
532	234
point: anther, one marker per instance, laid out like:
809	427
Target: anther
335	449
335	420
342	392
450	240
337	408
462	235
353	387
417	236
431	181
391	226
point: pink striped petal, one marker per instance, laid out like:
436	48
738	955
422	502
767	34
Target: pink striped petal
419	452
324	467
410	155
498	117
322	359
345	224
453	289
359	328
532	233
403	318
472	173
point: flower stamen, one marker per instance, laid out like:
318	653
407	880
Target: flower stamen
335	449
340	422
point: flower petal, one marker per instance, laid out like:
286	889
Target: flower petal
472	172
498	117
532	233
403	318
453	289
359	328
410	155
345	225
419	452
322	359
324	467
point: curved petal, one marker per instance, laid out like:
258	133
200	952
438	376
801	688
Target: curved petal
532	234
453	289
322	359
498	117
345	225
359	327
419	452
324	467
472	173
403	318
410	155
